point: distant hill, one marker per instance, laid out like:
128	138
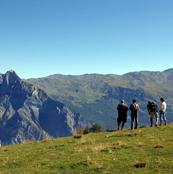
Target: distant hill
95	96
141	151
27	113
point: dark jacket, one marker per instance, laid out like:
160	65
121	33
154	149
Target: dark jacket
122	112
152	107
134	109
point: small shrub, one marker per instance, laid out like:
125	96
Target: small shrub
142	126
158	146
140	165
82	131
86	130
109	130
79	131
77	136
95	128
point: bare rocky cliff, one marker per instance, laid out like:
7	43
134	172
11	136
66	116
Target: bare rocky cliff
27	113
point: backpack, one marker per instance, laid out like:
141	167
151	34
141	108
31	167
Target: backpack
134	107
153	107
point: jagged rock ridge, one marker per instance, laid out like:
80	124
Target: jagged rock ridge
26	112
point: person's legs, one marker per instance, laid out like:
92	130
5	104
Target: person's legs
122	125
164	118
156	119
160	117
132	120
151	119
118	123
136	121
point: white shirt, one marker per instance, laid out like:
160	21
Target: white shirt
163	106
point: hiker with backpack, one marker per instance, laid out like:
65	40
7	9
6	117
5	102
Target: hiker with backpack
134	108
162	111
122	114
153	112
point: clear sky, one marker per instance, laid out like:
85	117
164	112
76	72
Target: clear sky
44	37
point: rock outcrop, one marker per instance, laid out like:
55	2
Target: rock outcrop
27	113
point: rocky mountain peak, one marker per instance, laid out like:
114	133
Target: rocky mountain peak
10	78
27	112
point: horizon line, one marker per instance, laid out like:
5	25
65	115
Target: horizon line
92	73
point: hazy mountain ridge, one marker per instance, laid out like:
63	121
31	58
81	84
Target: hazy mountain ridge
95	96
26	112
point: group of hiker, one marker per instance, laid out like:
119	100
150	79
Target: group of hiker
156	114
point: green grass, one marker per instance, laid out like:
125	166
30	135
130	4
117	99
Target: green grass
102	153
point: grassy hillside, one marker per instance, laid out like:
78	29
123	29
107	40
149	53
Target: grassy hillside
102	153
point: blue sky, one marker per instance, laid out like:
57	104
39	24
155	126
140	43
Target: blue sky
44	37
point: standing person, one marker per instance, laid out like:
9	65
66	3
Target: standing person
149	107
134	108
153	112
122	114
162	111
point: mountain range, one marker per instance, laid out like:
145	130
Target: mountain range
28	113
57	105
95	96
